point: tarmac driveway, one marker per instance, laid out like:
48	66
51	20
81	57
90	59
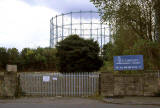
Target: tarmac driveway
63	103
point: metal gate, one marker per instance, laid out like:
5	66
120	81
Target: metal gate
60	84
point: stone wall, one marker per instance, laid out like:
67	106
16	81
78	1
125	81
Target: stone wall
8	84
107	84
151	84
1	85
129	85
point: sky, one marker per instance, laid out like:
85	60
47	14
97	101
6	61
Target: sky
25	23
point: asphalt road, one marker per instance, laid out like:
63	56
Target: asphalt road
64	103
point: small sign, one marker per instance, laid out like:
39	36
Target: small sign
46	78
129	62
54	78
11	68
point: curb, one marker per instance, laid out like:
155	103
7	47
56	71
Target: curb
128	103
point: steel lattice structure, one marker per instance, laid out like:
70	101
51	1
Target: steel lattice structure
86	24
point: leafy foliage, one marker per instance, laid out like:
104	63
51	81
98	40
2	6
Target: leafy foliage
77	54
107	51
135	15
3	58
13	56
133	27
29	59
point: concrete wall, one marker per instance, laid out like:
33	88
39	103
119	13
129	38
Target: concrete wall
129	85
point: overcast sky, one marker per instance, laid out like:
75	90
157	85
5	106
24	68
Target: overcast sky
25	23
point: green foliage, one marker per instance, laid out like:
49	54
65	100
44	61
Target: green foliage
151	52
29	59
13	56
107	51
133	28
137	16
77	54
38	59
107	67
3	57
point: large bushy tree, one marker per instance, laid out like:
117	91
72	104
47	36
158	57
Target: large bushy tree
135	28
135	15
76	54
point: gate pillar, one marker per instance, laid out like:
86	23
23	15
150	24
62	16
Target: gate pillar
107	84
10	81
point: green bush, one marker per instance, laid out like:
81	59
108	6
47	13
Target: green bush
78	54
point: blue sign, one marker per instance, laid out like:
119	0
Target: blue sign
129	62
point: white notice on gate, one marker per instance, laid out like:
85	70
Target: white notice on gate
54	78
46	78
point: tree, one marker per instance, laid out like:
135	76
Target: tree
45	58
135	28
107	51
76	54
27	59
157	19
38	59
13	56
3	58
136	15
50	55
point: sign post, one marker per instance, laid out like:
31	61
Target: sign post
128	62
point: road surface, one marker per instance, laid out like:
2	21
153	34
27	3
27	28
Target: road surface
64	103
